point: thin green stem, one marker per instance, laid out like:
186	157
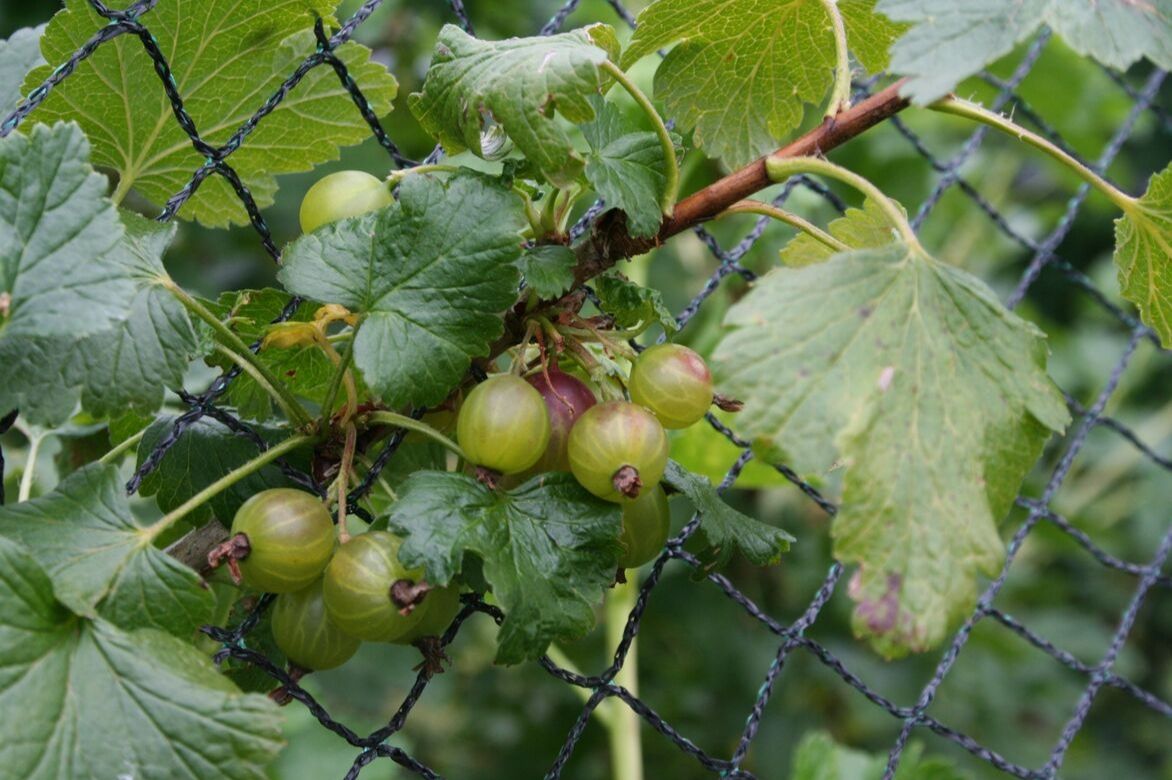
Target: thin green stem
671	190
257	377
28	478
793	220
781	168
970	110
336	384
225	482
122	447
291	405
626	746
549	212
411	424
120	192
395	177
840	96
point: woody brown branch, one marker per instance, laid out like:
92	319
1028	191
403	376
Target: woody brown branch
609	242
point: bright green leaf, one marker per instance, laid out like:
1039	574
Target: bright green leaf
911	376
228	58
548	269
743	69
101	559
86	700
518	83
1143	255
18	55
626	167
549	550
206	452
632	304
429	276
865	228
723	528
943	49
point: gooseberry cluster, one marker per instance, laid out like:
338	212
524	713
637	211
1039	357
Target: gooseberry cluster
335	591
331	596
616	449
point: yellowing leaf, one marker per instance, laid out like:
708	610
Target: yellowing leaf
909	374
1143	255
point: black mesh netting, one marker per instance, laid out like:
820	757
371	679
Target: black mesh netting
792	636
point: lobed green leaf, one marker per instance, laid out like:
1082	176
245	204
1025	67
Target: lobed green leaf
632	304
942	49
1143	255
723	529
101	559
85	699
519	84
626	167
742	70
81	305
227	58
429	276
548	269
548	548
911	376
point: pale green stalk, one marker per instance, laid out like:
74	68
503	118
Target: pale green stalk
970	110
411	424
122	447
626	745
27	479
793	220
297	412
223	483
840	95
671	190
781	168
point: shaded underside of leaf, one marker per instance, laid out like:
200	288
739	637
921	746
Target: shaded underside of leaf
942	49
206	451
934	398
306	370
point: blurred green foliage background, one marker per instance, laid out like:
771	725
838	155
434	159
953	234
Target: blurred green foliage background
701	658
